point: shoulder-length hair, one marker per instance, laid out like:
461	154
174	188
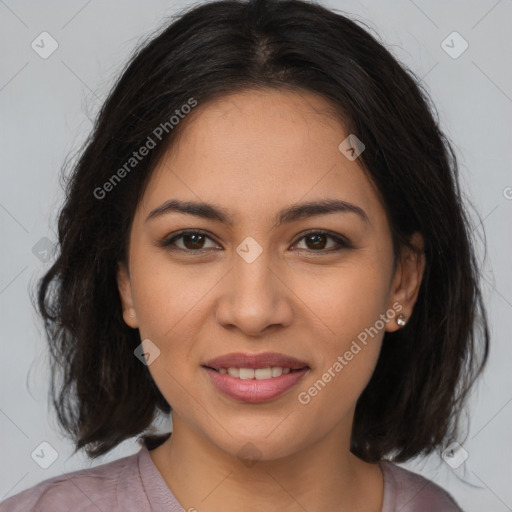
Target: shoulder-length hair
412	404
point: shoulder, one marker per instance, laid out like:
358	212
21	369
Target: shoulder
93	489
410	492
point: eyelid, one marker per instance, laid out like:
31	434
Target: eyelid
341	241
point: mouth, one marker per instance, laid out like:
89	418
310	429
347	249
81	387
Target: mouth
257	373
255	377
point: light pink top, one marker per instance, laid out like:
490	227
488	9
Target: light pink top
133	484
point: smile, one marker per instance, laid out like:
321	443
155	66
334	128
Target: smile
255	385
256	373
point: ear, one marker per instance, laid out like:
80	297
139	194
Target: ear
407	279
125	291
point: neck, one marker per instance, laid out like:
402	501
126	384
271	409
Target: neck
324	475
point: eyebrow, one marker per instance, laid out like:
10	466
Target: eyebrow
288	214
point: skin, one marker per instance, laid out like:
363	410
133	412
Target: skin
254	153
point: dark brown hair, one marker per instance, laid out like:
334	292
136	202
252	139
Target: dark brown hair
101	391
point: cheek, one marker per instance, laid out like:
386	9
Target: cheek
172	308
350	303
167	296
347	364
169	318
347	298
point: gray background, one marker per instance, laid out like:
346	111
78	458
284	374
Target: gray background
46	108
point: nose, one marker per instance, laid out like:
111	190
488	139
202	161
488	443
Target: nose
254	297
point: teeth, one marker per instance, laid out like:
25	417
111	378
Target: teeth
257	373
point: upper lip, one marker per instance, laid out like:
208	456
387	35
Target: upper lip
264	360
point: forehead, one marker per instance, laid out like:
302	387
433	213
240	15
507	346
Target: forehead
259	150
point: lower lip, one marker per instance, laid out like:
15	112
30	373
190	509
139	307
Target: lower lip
254	390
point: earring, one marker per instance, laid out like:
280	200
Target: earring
401	319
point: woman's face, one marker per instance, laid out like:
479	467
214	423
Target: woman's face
250	285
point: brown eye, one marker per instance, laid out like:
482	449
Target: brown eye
316	241
191	241
194	241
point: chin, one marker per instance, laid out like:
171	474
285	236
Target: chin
258	444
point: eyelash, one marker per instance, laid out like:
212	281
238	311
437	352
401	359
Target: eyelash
342	242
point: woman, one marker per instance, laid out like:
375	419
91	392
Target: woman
265	235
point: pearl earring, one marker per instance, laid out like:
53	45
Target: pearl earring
401	319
